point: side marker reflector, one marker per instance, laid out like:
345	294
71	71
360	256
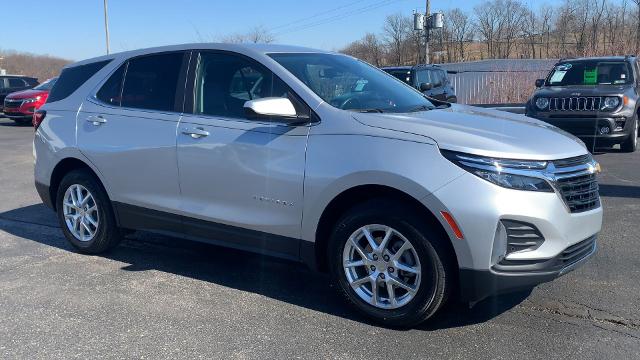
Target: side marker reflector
452	224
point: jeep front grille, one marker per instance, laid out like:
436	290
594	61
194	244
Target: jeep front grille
581	103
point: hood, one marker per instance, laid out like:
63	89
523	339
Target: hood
567	91
483	132
25	94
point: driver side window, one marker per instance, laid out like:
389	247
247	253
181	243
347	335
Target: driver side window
422	76
224	82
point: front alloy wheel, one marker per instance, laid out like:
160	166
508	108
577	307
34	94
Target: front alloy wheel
381	266
391	264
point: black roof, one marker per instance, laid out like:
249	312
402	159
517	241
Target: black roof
18	77
599	58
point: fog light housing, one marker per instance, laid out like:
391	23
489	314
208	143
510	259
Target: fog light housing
604	130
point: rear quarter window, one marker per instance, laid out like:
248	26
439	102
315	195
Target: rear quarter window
72	78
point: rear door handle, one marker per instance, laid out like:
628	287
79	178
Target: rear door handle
96	120
195	133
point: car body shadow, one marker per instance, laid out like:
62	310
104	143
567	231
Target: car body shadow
282	280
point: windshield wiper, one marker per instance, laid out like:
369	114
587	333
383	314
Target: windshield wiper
372	110
421	108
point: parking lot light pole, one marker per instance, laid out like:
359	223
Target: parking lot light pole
426	32
106	24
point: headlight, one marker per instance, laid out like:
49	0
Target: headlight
542	103
31	100
611	102
511	174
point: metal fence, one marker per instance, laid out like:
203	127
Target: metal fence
496	81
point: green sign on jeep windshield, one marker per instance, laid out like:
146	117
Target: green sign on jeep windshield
590	76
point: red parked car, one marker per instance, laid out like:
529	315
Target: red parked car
20	106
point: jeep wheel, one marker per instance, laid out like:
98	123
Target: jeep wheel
389	264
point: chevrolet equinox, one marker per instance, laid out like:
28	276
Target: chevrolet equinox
320	158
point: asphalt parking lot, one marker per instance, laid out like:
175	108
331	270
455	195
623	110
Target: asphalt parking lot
157	297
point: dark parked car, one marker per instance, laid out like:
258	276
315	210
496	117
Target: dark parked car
13	83
430	79
595	99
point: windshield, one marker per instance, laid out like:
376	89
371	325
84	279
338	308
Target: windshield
47	85
402	75
350	84
590	73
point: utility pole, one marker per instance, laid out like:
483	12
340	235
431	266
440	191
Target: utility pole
427	29
106	24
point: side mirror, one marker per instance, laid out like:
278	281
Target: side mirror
278	107
426	86
539	83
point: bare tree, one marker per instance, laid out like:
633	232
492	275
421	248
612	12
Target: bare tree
41	67
395	31
637	2
258	34
461	31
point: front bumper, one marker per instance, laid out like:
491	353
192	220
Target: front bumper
18	116
476	285
479	207
588	125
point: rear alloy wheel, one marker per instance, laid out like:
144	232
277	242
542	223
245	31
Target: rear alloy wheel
390	263
631	144
85	213
80	213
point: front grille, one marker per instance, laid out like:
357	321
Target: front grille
577	183
8	103
581	103
574	161
577	252
580	193
522	236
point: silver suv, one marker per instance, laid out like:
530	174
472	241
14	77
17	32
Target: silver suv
320	158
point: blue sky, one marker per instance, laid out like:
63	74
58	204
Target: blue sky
74	29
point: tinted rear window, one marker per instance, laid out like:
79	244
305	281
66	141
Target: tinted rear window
72	78
111	91
151	82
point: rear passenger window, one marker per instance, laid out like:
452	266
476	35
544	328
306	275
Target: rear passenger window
111	92
151	82
72	78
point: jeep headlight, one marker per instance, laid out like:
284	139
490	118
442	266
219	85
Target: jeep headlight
542	103
508	173
611	102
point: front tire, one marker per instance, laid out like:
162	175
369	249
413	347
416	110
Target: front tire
631	144
85	213
390	265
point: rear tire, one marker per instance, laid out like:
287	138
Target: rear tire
426	253
631	144
85	213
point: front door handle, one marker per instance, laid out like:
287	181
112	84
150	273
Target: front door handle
96	120
195	133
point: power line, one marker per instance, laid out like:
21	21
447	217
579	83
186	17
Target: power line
316	15
339	17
